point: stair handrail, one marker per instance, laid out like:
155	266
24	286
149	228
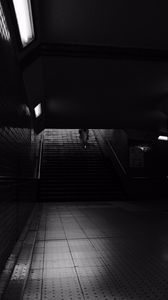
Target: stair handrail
40	156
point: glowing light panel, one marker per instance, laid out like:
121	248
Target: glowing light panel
25	20
163	138
38	110
4	32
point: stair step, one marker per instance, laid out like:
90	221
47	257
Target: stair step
69	172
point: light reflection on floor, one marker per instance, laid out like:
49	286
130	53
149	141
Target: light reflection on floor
94	252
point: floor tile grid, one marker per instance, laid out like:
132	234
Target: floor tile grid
68	284
125	278
96	294
138	280
104	226
150	263
33	289
101	230
103	288
114	284
82	292
113	279
88	227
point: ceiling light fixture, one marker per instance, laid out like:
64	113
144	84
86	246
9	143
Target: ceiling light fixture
24	17
38	110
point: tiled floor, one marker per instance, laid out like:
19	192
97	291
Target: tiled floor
99	252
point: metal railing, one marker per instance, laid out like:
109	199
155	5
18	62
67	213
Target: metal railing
40	156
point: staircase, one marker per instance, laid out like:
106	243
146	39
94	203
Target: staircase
71	173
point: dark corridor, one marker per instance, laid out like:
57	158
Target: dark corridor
84	238
83	224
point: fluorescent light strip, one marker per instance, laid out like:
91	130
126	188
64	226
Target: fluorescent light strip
4	32
25	20
38	110
163	138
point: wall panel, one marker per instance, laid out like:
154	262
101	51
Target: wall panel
17	148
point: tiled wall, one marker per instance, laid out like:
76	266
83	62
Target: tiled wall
12	218
17	147
15	152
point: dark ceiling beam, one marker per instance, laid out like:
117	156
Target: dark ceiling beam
104	52
93	51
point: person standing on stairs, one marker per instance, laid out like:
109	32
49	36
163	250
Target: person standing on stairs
84	136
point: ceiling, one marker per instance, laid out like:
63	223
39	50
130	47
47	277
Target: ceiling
97	68
117	23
